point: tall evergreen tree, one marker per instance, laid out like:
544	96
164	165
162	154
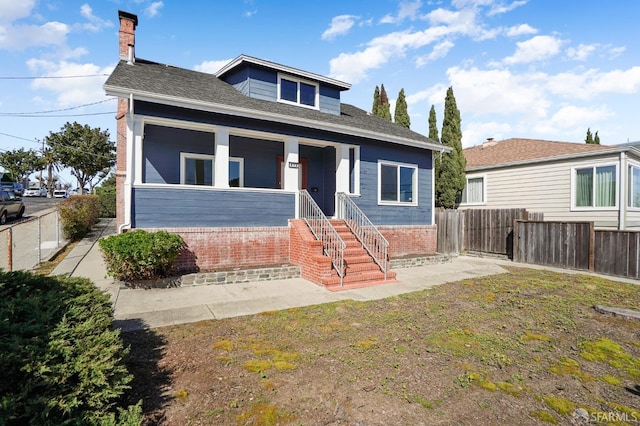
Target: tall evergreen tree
596	139
449	172
376	101
589	138
433	125
401	115
384	109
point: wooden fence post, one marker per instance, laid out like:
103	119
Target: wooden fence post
592	245
516	231
10	250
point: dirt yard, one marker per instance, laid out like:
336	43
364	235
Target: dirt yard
521	348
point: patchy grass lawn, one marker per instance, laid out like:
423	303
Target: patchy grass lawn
522	348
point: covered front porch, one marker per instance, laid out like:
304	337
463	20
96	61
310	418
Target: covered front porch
239	177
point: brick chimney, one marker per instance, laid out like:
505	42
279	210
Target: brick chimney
128	23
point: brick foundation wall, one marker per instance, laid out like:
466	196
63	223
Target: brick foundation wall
306	252
407	240
210	249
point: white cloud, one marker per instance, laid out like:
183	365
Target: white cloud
614	52
593	82
571	118
536	49
475	133
352	67
95	23
340	25
522	29
582	52
70	91
211	67
440	50
153	9
12	10
406	10
20	37
250	13
500	8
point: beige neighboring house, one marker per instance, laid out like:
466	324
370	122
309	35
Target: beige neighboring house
566	181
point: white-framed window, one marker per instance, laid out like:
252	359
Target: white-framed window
197	169
595	187
475	190
634	186
293	90
397	183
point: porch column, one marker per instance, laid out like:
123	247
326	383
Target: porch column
342	169
221	159
291	175
134	163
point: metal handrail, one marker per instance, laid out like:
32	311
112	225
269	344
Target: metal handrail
371	239
322	229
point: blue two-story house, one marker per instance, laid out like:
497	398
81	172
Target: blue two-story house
233	161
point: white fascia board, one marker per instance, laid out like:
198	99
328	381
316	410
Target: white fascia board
282	68
285	119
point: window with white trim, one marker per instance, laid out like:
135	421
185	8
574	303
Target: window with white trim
474	191
293	90
594	186
634	186
197	169
397	183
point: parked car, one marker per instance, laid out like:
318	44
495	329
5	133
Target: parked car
15	187
10	206
35	192
59	193
76	191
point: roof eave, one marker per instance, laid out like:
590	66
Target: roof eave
612	150
251	113
290	70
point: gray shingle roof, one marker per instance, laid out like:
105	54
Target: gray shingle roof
192	86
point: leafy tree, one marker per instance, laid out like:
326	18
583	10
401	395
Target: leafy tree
20	163
589	138
433	125
401	115
109	181
596	139
384	108
376	101
85	150
449	171
51	161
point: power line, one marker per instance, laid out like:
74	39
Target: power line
54	77
55	110
56	115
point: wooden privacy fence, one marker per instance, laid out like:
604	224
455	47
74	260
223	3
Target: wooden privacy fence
577	245
562	244
479	230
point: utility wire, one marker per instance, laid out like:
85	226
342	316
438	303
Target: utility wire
56	115
55	110
54	77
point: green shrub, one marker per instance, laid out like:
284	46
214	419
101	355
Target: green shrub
107	200
78	214
61	361
140	255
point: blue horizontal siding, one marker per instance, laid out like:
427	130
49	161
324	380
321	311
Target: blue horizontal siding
329	100
189	208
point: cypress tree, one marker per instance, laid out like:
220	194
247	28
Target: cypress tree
433	125
376	101
449	171
596	139
589	138
384	109
401	115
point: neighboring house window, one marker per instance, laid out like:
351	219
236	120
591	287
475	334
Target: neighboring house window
474	191
634	186
595	186
397	183
295	91
197	169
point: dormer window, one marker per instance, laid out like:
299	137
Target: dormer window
292	90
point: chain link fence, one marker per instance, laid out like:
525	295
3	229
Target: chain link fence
24	245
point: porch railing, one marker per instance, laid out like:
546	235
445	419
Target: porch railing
372	240
322	229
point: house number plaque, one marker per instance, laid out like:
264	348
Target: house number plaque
293	165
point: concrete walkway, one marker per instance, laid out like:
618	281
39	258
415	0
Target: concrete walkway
150	308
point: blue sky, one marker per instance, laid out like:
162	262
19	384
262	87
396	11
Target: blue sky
542	69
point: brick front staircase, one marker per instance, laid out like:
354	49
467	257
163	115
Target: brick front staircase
360	269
